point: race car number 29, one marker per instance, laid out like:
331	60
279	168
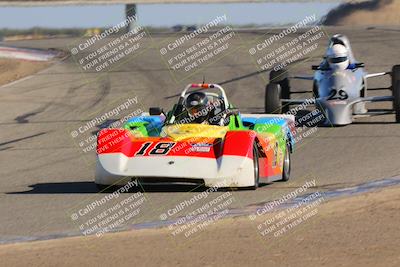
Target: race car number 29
162	148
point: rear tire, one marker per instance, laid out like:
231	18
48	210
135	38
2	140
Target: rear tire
273	103
286	165
315	90
275	76
396	100
395	75
256	168
281	77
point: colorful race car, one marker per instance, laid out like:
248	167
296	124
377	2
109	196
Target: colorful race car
203	139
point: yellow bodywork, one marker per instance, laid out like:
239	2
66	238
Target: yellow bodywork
178	132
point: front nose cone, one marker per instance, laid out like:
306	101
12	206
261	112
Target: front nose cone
337	112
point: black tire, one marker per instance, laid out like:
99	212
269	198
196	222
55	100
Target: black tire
276	76
282	78
286	165
315	89
256	168
396	100
395	75
273	104
363	91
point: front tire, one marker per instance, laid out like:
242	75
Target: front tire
396	100
273	103
286	165
281	77
256	168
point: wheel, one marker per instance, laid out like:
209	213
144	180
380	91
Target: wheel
396	100
256	168
282	78
273	103
286	165
395	75
395	78
315	89
363	90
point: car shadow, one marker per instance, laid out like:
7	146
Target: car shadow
91	188
309	118
60	188
373	122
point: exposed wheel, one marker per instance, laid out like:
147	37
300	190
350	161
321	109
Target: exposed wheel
273	103
363	92
315	89
286	165
395	75
276	76
282	78
396	100
256	168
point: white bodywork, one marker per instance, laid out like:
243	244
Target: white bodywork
226	171
341	93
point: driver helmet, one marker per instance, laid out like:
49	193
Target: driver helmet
338	57
197	105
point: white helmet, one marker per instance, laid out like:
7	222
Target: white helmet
338	57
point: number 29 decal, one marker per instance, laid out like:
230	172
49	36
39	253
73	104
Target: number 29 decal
335	94
161	148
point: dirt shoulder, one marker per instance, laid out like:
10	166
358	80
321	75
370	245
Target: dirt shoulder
384	12
357	231
13	69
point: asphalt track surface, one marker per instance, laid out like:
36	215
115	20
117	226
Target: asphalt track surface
45	176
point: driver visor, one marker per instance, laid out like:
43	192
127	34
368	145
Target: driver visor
336	60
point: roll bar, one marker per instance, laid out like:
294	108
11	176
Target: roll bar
207	86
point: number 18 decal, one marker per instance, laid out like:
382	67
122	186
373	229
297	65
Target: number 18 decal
162	148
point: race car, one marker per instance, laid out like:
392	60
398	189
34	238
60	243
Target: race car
339	87
203	139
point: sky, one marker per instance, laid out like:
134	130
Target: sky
165	15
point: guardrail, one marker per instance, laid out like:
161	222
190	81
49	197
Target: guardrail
28	53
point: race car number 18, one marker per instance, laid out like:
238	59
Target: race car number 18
162	148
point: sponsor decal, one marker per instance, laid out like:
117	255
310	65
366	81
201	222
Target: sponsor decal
201	147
